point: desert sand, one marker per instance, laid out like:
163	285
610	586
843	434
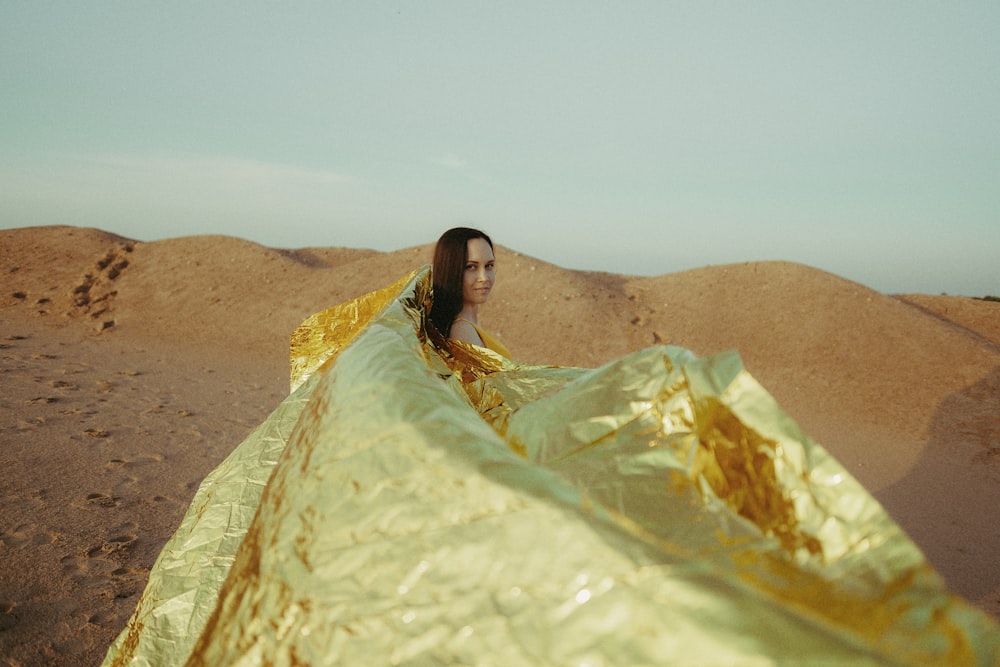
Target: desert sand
131	369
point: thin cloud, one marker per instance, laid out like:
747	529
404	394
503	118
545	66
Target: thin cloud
449	161
217	170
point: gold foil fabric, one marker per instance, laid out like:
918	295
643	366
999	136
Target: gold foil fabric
415	502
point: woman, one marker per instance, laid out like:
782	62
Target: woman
464	270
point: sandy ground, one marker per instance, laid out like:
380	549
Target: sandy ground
129	370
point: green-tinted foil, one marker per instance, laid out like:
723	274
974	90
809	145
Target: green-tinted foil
444	505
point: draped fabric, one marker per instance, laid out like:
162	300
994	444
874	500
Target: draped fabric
418	503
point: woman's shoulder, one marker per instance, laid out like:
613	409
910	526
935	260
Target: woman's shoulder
465	331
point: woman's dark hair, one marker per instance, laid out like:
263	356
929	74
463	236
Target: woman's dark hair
450	255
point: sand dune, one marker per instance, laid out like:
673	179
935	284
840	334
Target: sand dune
131	369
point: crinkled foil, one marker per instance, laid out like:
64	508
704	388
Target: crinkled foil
449	506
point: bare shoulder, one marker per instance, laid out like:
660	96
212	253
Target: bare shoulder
464	331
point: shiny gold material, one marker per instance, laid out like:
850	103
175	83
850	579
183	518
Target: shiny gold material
441	504
324	334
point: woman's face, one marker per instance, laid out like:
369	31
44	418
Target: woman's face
480	271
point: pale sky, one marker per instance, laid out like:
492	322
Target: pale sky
862	138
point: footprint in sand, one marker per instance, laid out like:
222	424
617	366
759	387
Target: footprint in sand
103	500
8	615
78	411
170	500
77	367
62	384
112	546
102	618
27	534
124	464
30	424
41	400
106	565
87	569
128	582
105	387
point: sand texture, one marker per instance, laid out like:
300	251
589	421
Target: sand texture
130	369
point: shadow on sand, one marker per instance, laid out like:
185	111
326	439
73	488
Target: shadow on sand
951	495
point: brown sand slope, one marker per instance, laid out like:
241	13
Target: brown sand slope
976	316
131	369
